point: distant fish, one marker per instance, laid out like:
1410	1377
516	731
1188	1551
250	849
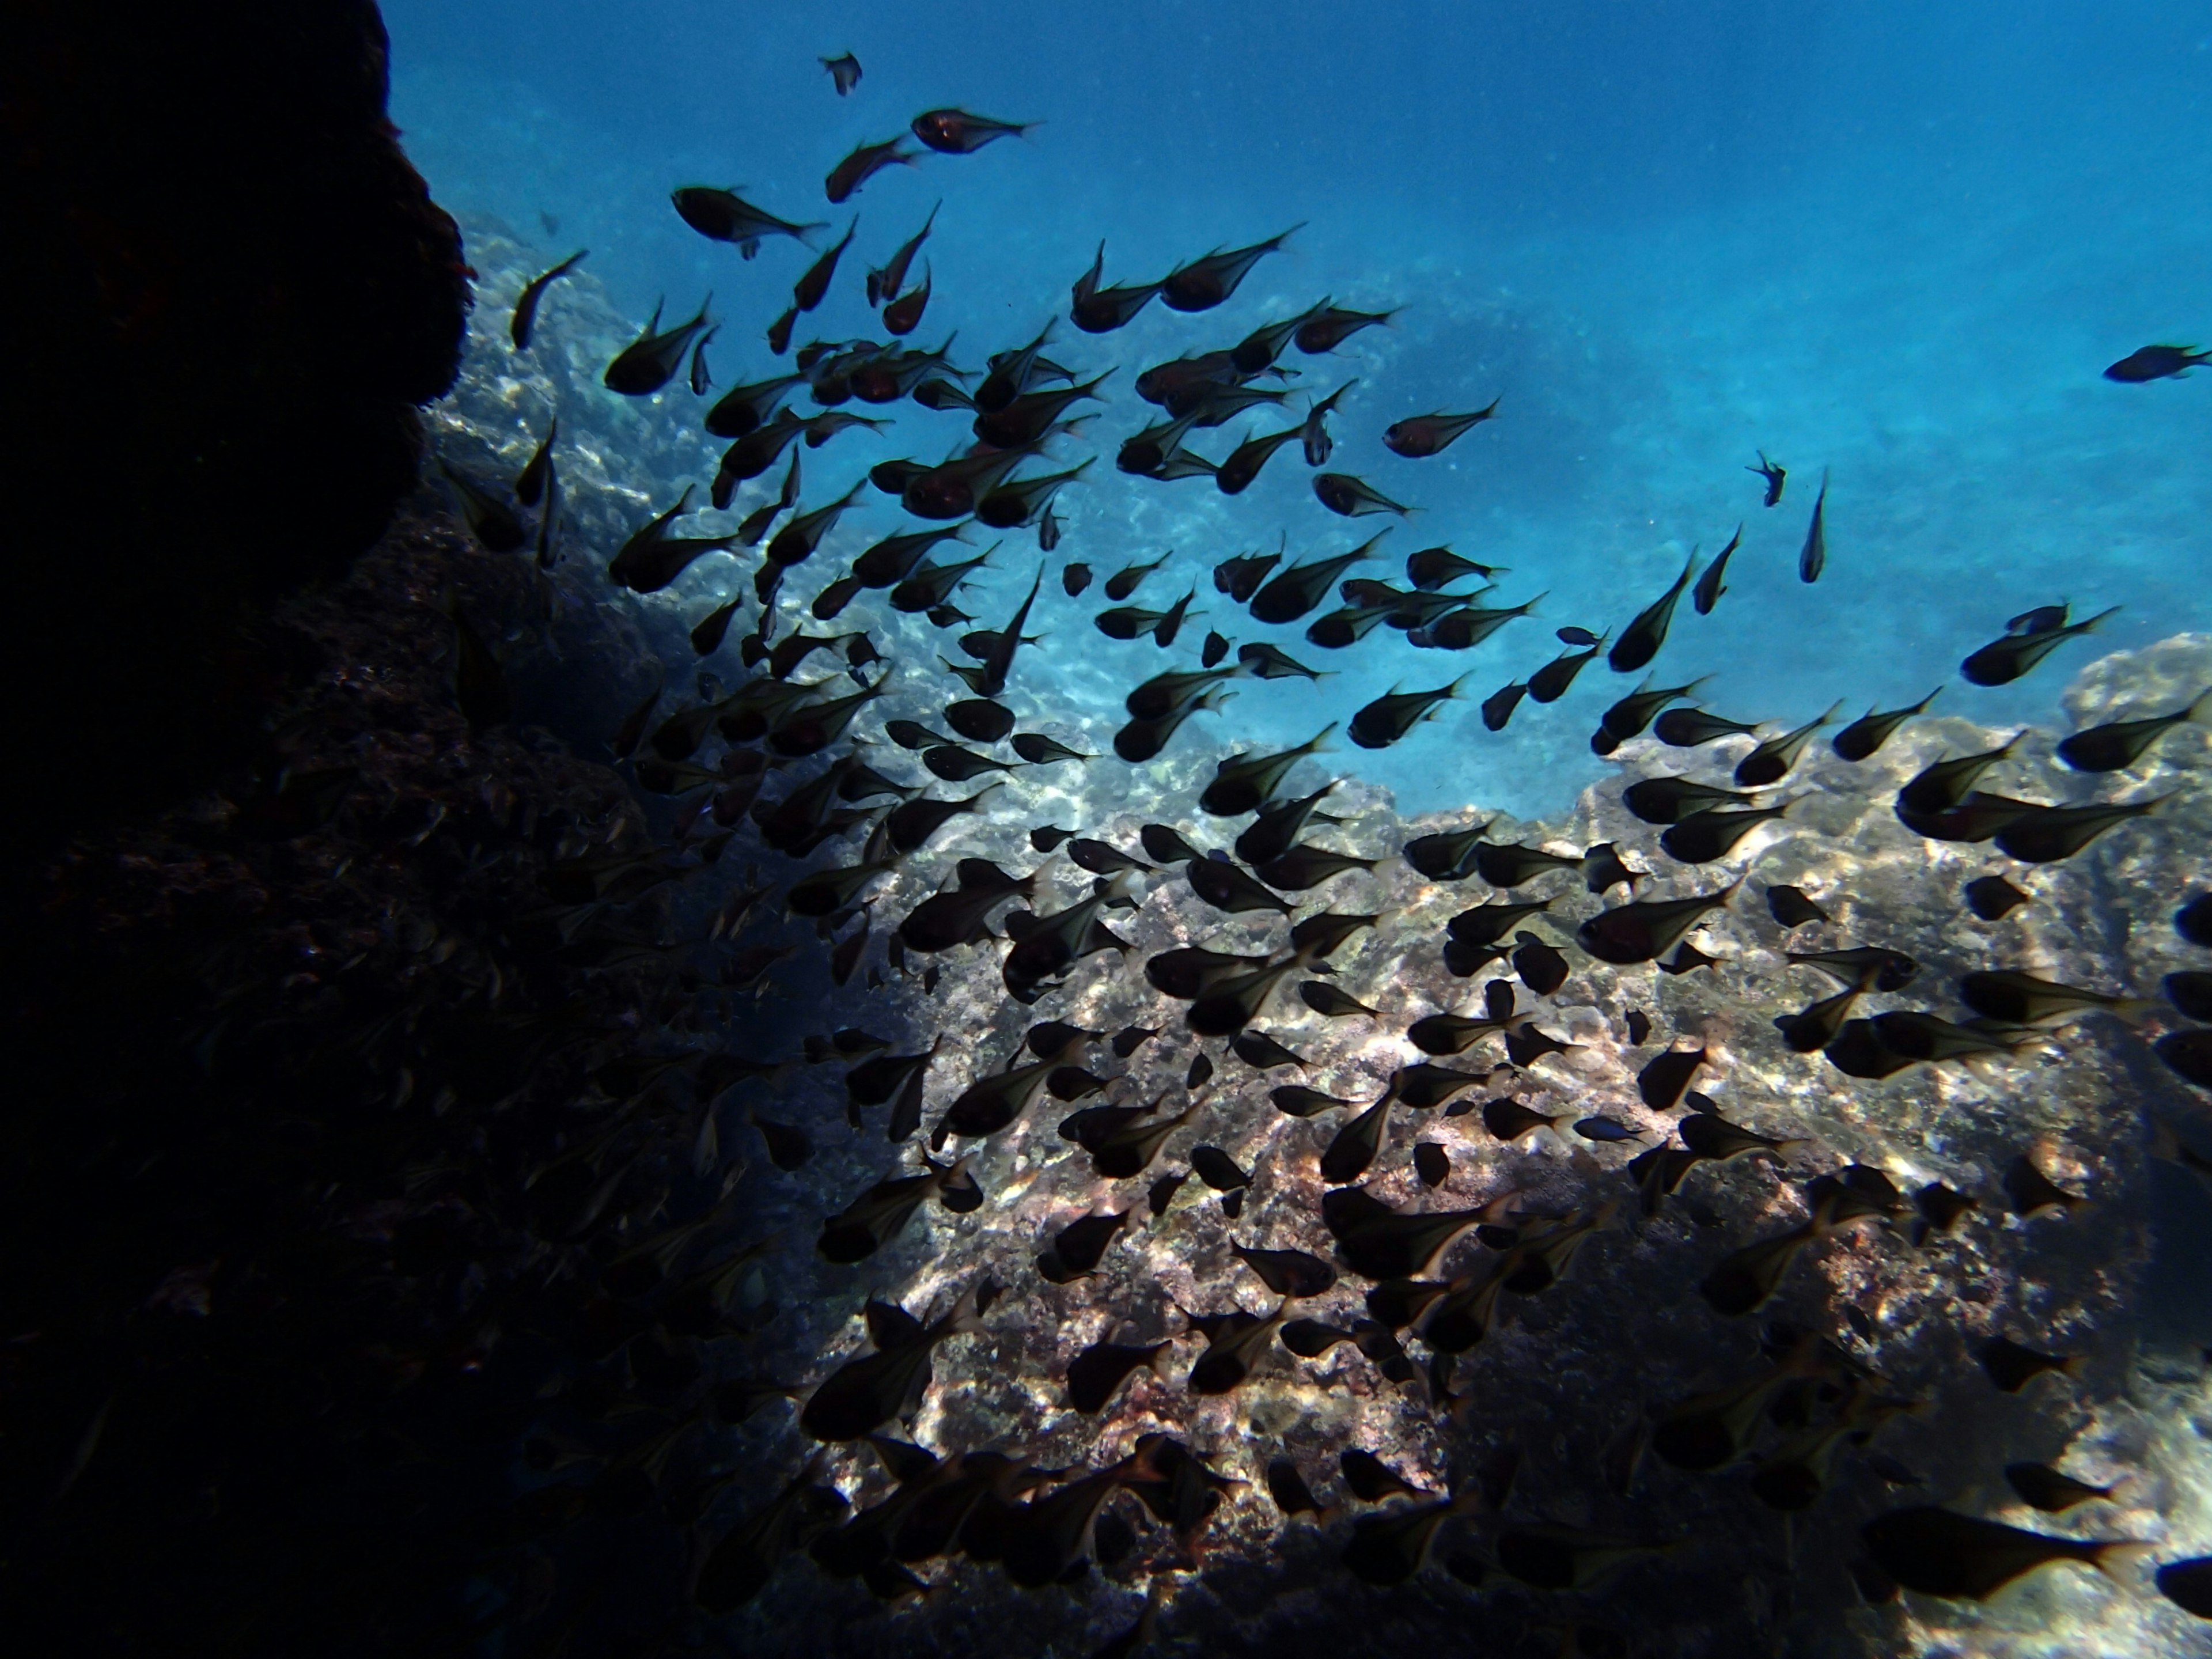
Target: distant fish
1812	557
2156	362
1775	477
844	71
526	307
723	215
957	132
862	165
1205	284
650	361
1422	435
1707	593
1334	327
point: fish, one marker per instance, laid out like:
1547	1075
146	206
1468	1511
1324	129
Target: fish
796	541
844	71
959	916
1770	761
1812	557
1434	568
903	315
990	1103
779	331
1334	327
1814	1027
1240	578
2042	1487
1645	930
650	361
1418	436
1506	865
1127	1151
813	284
1604	1130
1078	1247
1707	593
524	319
1660	1083
931	584
1352	498
745	409
1096	310
1445	855
1630	716
1746	1279
1246	782
1498	708
1391	716
789	1146
881	1214
1509	1120
1234	1351
1688	728
1937	1551
1551	682
1204	284
2004	659
958	132
490	521
2156	362
1125	580
1096	1374
702	381
863	164
723	215
864	1394
1215	648
1640	641
2109	748
2019	999
1318	444
1143	738
1991	898
2045	835
910	824
1235	476
1328	1001
1775	477
1702	837
1865	736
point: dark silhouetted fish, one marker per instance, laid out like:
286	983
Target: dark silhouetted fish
722	216
1096	310
1812	557
862	165
2004	660
534	293
844	71
957	132
2109	748
1390	717
1334	327
1640	641
1343	494
650	361
2156	362
1776	478
1205	284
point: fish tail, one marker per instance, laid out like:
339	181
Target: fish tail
2109	1556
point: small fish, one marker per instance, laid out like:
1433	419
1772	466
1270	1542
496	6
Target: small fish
2034	1193
1235	476
1770	761
1498	708
957	132
903	315
864	1394
1096	1374
1434	568
650	361
702	381
1864	736
1078	1247
2156	362
490	521
2042	1487
844	71
1688	728
881	1214
1630	716
2109	748
1604	1129
1233	1352
1204	284
1420	436
2005	660
1994	899
1640	641
1126	581
862	165
2188	1585
1041	751
1295	593
2045	835
1431	1164
1240	578
1284	1484
1333	325
480	687
1267	663
1644	931
1075	578
789	1146
2018	999
813	284
1662	1081
1388	717
1353	498
1707	593
1775	477
1639	1027
1332	1003
1939	1552
524	319
1215	648
1812	557
1096	310
1318	444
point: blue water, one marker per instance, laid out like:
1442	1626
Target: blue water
1892	242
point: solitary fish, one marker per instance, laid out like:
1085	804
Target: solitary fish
2156	362
1775	477
957	132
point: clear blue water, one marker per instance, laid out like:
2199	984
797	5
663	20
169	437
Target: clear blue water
1894	242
